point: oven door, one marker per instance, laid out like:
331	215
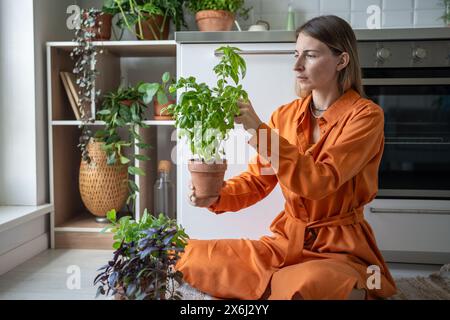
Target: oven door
416	159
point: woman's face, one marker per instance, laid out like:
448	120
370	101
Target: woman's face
316	66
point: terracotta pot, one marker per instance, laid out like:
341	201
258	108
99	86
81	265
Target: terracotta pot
127	102
102	187
157	107
207	179
214	20
154	22
102	31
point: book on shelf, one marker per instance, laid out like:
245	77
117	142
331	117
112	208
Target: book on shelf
73	101
72	89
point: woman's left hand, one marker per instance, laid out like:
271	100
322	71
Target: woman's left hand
248	117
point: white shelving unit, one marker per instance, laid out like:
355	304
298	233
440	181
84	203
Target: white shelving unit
72	226
101	123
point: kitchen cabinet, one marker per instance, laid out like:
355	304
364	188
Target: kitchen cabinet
270	84
411	231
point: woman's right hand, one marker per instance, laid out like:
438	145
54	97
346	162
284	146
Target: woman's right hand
199	202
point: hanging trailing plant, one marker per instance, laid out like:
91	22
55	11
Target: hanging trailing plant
85	56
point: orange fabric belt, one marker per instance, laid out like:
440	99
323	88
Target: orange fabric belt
299	229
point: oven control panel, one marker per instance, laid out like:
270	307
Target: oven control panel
404	54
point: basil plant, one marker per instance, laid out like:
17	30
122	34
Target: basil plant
204	115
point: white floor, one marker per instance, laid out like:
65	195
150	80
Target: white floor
53	275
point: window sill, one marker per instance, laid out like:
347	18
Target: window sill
12	216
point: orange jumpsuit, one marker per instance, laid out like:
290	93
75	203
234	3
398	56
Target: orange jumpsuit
321	245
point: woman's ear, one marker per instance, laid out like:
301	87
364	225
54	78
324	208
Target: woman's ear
344	59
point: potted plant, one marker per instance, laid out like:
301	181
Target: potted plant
142	266
160	95
147	19
102	183
217	15
120	109
446	15
205	115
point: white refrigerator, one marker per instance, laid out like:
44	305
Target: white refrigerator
270	83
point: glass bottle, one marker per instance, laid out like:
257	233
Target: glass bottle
164	191
290	24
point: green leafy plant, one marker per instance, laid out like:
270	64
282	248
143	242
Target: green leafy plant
124	108
85	56
134	12
446	15
161	90
205	115
234	6
142	266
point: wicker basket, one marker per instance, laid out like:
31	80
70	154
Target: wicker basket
103	187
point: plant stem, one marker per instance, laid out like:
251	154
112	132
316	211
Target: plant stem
125	18
163	24
141	33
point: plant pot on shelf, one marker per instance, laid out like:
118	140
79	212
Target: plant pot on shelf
214	20
153	29
157	107
102	28
207	178
128	103
102	187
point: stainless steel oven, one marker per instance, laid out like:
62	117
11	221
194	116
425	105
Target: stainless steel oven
410	80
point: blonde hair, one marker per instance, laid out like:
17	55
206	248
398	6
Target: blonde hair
338	35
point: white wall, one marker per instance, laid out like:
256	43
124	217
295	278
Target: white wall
49	25
394	13
17	100
25	26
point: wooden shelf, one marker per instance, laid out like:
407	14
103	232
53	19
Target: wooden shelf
83	240
164	48
83	232
73	226
83	222
160	122
102	123
75	123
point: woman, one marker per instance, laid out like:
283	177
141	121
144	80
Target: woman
330	146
